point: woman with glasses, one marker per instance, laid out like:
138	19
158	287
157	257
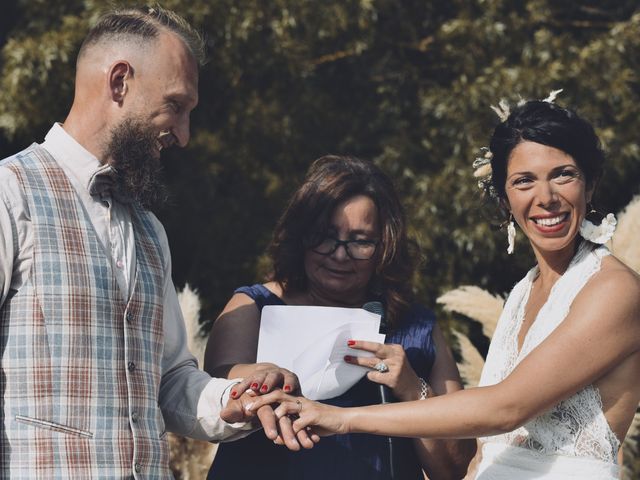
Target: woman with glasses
341	242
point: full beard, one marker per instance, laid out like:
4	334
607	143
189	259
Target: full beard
134	156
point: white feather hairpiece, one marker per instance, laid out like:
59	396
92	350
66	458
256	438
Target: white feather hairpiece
552	96
502	110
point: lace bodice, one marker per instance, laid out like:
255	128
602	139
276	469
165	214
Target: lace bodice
576	426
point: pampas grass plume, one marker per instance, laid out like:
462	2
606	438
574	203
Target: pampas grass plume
625	240
190	305
472	362
474	303
191	459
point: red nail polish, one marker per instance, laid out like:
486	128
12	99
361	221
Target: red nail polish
347	358
254	385
233	394
264	388
287	388
351	342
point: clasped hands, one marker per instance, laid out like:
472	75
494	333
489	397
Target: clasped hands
296	422
268	382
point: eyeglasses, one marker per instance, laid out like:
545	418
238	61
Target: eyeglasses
356	249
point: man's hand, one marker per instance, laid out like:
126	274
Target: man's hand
280	430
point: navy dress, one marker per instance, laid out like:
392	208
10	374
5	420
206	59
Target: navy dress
349	457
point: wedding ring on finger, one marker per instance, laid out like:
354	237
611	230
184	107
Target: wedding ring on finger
381	367
295	416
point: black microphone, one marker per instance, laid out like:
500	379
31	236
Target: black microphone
384	391
378	309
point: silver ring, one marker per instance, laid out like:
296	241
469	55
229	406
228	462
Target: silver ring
381	367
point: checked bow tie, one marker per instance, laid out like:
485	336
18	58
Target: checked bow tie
103	184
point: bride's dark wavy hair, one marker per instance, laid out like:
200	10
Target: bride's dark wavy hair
548	124
331	180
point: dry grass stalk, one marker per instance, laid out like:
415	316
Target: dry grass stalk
472	362
474	303
625	240
191	459
631	448
190	306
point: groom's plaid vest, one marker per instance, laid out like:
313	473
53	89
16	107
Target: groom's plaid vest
81	369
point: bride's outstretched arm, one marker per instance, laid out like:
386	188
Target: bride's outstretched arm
406	419
594	341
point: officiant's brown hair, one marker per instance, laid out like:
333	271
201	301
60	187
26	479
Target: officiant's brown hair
329	181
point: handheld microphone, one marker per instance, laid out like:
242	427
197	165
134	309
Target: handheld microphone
383	390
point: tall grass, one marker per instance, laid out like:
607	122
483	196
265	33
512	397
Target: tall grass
191	459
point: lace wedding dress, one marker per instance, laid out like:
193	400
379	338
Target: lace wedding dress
573	439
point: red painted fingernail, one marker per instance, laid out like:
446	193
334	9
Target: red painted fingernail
264	388
351	342
287	388
254	385
348	358
233	394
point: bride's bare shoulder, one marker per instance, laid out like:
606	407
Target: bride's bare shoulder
615	270
615	288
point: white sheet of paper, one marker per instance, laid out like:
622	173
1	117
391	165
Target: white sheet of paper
312	343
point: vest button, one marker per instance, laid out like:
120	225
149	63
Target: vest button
129	317
138	467
131	366
134	417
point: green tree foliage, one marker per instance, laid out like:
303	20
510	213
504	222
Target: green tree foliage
407	84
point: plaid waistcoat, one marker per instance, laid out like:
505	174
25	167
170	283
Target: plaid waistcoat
81	369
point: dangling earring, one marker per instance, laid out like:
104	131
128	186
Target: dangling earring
511	235
598	233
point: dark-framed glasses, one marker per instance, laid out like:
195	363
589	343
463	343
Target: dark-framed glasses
356	249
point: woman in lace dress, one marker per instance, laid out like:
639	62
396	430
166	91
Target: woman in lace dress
560	385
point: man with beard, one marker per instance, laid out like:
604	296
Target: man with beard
94	365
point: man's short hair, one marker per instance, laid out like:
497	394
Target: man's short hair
144	23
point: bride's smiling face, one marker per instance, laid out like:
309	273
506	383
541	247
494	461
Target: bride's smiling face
546	194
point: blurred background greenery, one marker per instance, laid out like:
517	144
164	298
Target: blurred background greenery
407	84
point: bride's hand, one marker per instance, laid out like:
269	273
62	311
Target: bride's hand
323	419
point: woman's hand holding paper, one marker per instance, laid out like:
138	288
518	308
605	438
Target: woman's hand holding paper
398	375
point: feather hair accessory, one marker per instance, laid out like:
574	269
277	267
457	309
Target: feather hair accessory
502	110
552	96
482	171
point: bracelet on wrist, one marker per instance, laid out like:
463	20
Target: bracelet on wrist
423	388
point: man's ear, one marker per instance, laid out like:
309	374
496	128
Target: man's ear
119	74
